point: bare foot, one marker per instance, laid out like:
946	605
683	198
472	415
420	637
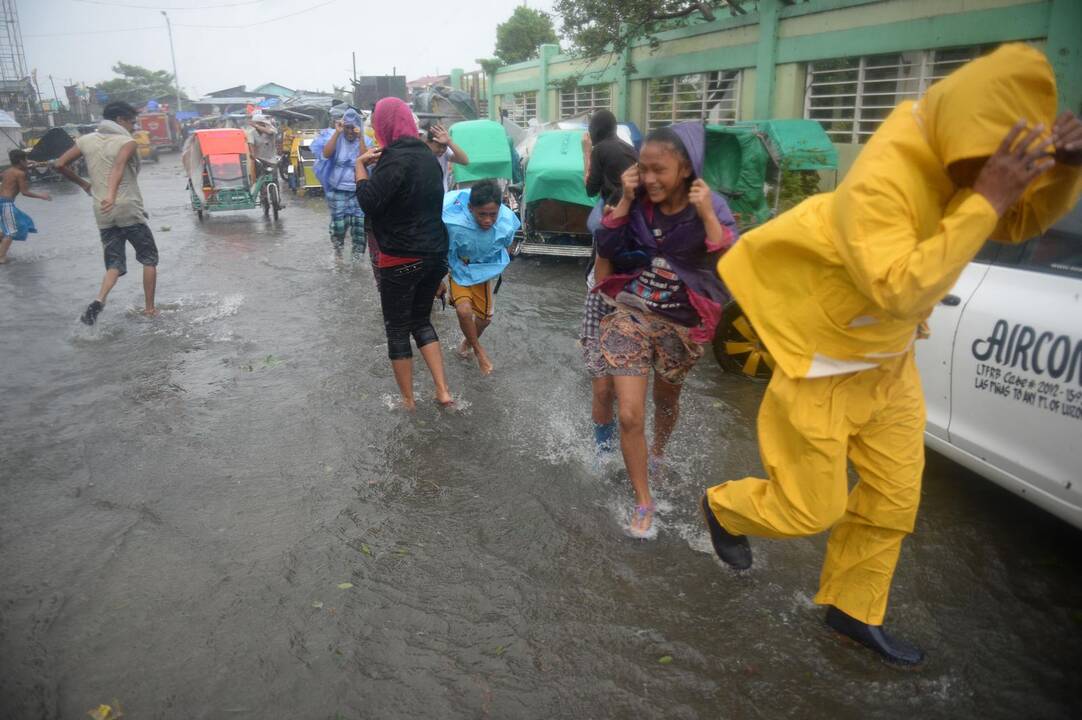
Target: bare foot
444	399
4	260
409	404
484	363
464	350
152	312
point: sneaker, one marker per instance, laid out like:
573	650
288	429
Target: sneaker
91	313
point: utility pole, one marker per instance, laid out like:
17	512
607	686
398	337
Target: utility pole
355	67
176	80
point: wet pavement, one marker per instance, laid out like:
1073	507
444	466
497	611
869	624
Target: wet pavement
222	513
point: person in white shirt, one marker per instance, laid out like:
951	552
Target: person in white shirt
446	151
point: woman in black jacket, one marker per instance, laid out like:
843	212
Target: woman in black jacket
403	201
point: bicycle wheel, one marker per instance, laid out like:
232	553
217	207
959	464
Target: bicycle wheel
275	198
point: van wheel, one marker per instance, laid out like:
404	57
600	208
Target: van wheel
739	349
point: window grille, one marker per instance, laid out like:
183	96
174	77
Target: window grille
520	107
584	100
851	97
712	97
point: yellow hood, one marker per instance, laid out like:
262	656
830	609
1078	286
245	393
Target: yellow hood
967	114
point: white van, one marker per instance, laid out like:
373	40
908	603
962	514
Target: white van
1002	371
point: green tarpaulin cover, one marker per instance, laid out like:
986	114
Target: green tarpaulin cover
800	144
485	142
736	164
555	169
740	157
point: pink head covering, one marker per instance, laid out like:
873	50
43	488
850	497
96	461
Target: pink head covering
391	120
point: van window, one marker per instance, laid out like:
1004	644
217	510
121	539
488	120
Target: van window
1058	251
988	253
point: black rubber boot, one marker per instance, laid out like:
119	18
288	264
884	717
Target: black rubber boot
91	313
734	550
873	637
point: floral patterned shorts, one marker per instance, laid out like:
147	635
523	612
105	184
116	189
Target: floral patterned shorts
590	335
634	343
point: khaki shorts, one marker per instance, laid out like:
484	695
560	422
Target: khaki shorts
479	296
636	343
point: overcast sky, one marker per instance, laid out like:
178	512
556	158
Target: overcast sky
80	40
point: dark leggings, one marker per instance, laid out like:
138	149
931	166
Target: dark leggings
406	293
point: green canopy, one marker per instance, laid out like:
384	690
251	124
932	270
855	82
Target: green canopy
736	165
555	169
798	144
485	142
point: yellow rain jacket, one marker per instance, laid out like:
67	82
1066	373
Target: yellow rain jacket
849	275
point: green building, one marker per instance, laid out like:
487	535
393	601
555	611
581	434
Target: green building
845	63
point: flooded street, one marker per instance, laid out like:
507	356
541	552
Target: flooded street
221	513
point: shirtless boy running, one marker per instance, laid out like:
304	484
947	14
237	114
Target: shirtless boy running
14	223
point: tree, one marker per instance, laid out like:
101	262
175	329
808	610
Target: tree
600	27
519	37
137	84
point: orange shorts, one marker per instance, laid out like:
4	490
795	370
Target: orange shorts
479	296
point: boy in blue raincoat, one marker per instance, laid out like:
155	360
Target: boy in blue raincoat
480	230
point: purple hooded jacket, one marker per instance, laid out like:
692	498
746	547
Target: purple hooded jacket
685	248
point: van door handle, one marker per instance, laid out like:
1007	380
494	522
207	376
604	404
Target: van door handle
951	301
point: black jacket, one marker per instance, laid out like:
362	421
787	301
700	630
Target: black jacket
608	161
403	200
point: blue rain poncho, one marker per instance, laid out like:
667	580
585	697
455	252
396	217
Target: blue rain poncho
476	255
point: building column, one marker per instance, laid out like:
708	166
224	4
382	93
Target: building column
456	78
623	80
547	51
1064	51
766	55
490	93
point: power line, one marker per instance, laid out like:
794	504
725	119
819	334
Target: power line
184	25
262	22
170	8
95	32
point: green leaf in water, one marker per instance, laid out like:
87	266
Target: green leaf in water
366	550
318	604
500	650
665	660
345	585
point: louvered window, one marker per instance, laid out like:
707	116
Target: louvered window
584	100
851	97
712	97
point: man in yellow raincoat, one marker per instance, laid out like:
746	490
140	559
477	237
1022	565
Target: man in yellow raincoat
838	288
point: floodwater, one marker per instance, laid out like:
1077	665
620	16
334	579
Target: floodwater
185	499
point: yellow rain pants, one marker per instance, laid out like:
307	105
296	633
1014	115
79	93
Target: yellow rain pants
807	429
